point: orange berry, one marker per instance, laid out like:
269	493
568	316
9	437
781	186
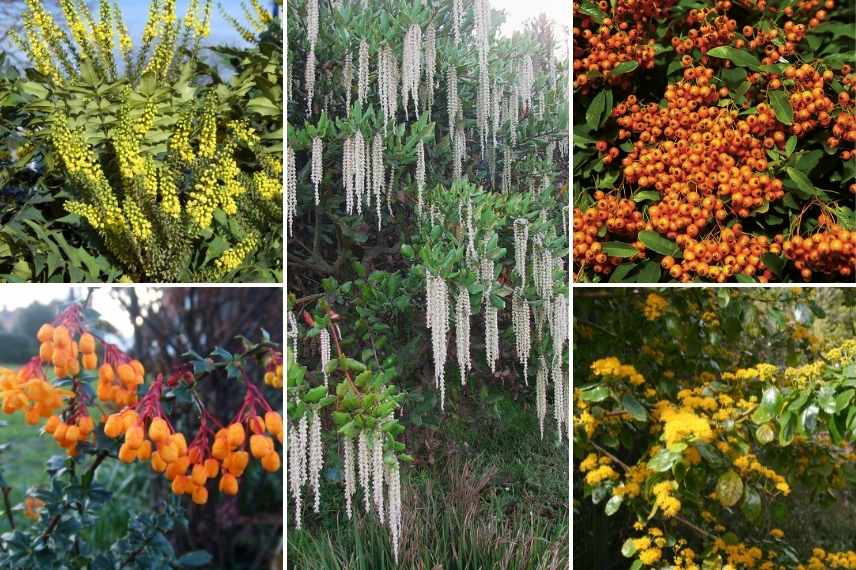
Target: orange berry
87	343
168	451
228	484
260	445
158	464
199	474
105	373
158	430
90	361
270	462
114	425
212	467
61	337
200	495
134	436
86	424
126	374
127	454
236	435
145	451
52	424
46	332
46	352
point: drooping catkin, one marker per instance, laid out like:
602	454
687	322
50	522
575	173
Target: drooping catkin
560	412
559	326
364	472
521	240
361	162
496	109
491	334
347	81
462	332
378	176
312	22
506	169
482	27
457	16
290	189
317	165
316	458
514	115
430	50
363	73
420	178
437	318
297	444
348	173
324	338
459	154
471	255
393	477
541	393
349	474
452	101
292	332
387	79
309	80
525	81
411	68
377	471
520	319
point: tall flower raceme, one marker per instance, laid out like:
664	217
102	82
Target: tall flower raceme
363	407
82	43
147	431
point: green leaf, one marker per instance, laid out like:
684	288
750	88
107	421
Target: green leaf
791	145
658	243
802	181
621	272
628	549
625	67
776	263
596	394
768	406
592	10
646	195
664	460
634	408
315	394
650	273
737	56
729	488
595	110
613	505
751	505
826	399
619	249
782	107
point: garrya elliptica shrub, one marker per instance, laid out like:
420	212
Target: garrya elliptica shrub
426	193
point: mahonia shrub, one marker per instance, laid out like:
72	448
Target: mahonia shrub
426	192
714	140
176	170
715	428
89	395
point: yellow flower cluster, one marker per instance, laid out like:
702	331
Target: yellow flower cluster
821	560
749	463
597	469
587	421
842	354
29	391
234	256
738	555
683	423
611	366
655	306
763	372
266	187
649	547
208	127
217	186
710	319
633	481
777	533
664	500
81	163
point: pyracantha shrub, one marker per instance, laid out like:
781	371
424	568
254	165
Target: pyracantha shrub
714	141
175	170
427	160
715	428
84	407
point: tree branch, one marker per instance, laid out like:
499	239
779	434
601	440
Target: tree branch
8	506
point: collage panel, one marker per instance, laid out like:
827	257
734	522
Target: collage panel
428	284
141	427
714	427
714	141
141	141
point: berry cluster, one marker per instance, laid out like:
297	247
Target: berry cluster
618	216
28	390
718	259
273	370
831	251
